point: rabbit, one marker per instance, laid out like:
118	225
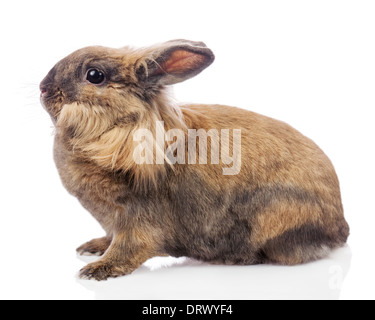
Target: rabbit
280	204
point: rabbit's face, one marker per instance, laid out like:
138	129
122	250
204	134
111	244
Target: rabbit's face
93	77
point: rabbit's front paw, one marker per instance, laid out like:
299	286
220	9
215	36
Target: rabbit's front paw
102	270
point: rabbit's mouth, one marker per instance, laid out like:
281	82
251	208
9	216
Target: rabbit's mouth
52	102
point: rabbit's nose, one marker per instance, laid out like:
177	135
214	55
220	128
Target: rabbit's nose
47	81
43	88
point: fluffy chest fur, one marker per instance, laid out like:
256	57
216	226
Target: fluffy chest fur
96	188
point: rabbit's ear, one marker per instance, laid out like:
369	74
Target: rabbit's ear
174	61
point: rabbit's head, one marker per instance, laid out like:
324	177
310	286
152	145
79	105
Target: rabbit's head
112	80
97	97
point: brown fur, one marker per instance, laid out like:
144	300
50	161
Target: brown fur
95	247
284	206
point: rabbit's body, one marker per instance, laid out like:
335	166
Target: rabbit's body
283	206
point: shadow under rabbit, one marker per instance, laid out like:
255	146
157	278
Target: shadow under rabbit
163	278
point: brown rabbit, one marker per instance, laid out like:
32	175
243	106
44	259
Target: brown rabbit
281	202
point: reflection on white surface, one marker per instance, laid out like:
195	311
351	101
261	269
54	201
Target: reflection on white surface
183	278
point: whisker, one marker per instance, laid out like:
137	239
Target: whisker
28	104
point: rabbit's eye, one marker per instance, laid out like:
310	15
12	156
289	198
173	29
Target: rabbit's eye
95	76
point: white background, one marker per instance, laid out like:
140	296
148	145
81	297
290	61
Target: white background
309	63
